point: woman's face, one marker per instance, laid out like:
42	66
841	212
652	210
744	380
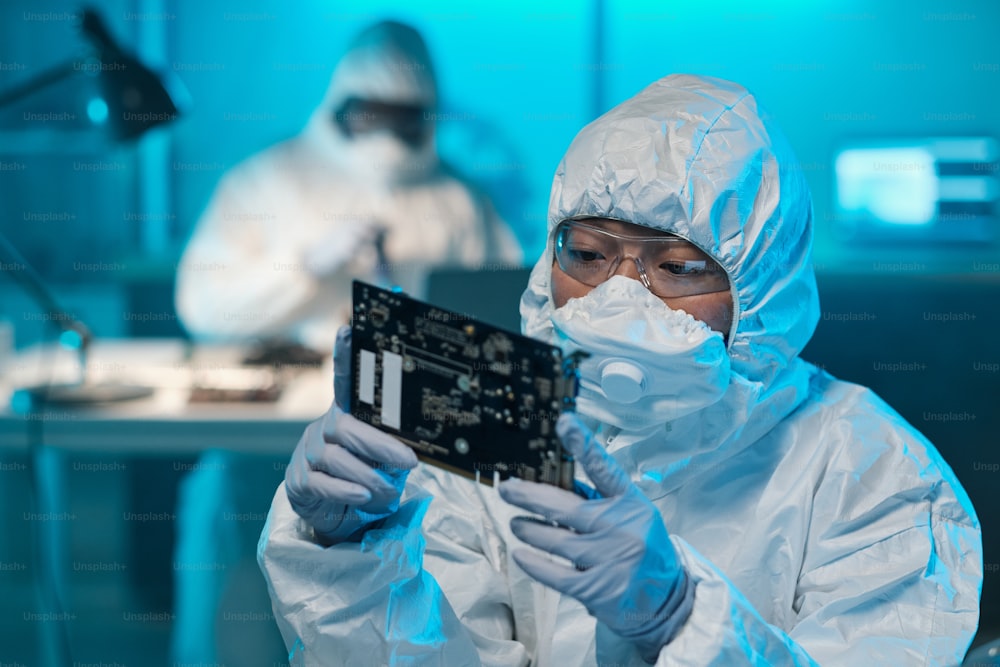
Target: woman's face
713	308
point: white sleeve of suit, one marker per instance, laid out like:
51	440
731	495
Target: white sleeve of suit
234	281
885	615
502	244
375	603
890	579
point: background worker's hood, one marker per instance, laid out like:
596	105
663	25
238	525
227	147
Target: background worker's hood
696	156
388	62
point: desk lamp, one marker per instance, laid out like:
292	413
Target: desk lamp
135	100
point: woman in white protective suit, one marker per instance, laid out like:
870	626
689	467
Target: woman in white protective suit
747	508
360	193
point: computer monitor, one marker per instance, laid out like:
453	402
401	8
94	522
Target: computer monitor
489	294
922	190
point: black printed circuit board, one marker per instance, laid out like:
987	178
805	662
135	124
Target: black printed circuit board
465	395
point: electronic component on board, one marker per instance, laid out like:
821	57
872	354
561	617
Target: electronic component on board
465	395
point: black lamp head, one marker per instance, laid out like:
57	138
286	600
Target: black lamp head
136	96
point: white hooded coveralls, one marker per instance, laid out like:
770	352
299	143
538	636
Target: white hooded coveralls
819	527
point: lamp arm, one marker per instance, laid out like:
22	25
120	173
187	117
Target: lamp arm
33	85
32	283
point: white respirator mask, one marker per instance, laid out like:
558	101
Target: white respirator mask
380	159
648	364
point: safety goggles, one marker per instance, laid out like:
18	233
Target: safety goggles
408	122
668	266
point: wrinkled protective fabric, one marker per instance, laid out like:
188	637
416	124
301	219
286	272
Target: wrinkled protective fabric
817	525
288	229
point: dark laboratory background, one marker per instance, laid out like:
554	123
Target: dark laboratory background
892	107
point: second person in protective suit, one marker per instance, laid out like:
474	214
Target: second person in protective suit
744	508
360	193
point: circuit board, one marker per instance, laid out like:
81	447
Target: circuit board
465	395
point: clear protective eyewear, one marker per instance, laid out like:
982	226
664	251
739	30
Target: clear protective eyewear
668	266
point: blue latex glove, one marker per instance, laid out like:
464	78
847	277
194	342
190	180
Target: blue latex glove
623	569
344	474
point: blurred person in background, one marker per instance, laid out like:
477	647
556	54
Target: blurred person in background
360	193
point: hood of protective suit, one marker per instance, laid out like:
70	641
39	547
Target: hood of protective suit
697	157
387	62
